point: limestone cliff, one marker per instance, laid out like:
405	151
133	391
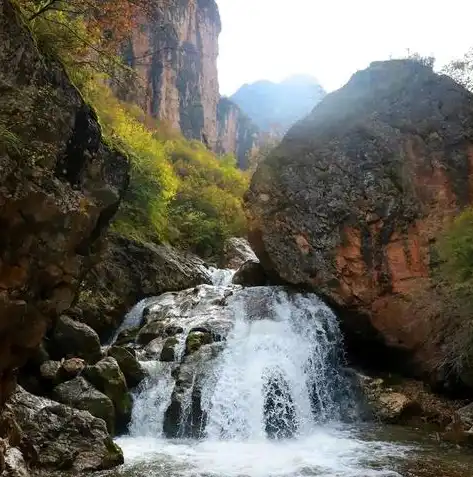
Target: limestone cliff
59	187
236	132
352	201
174	51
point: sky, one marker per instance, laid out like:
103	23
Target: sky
331	39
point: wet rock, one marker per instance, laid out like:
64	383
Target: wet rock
196	339
251	274
67	439
279	411
143	270
149	332
59	189
74	339
184	416
236	251
14	463
130	366
108	378
352	200
80	394
127	336
168	353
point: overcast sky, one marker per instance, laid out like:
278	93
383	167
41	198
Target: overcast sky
331	39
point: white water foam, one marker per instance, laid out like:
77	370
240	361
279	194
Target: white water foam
274	401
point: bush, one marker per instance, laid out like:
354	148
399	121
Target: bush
452	299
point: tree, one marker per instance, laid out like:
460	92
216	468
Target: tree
462	70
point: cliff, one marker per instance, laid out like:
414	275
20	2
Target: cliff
236	133
60	184
352	201
174	51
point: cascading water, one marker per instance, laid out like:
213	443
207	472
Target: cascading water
280	372
266	395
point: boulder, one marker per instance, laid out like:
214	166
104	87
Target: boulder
80	394
126	337
107	376
386	404
129	365
64	438
60	185
168	353
71	339
70	368
236	251
49	370
352	200
196	339
144	269
250	274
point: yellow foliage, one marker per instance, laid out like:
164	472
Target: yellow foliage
179	191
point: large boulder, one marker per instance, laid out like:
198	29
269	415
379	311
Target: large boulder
60	185
128	272
80	394
74	339
52	436
351	202
107	376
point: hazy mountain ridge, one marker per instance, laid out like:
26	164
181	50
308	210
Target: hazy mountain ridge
277	106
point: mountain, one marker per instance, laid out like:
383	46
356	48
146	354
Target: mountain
174	51
279	105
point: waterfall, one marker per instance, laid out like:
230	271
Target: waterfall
279	374
257	388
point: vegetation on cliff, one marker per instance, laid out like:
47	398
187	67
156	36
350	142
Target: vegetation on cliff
180	192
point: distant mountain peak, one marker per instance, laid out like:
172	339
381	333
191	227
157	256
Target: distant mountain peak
271	104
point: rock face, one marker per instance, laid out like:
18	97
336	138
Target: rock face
236	133
51	436
175	53
59	187
352	200
127	272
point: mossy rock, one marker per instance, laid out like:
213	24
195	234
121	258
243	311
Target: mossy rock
168	354
197	339
107	376
130	366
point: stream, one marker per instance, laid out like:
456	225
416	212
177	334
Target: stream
267	396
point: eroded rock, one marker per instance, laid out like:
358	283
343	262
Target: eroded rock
143	270
65	438
352	200
80	394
